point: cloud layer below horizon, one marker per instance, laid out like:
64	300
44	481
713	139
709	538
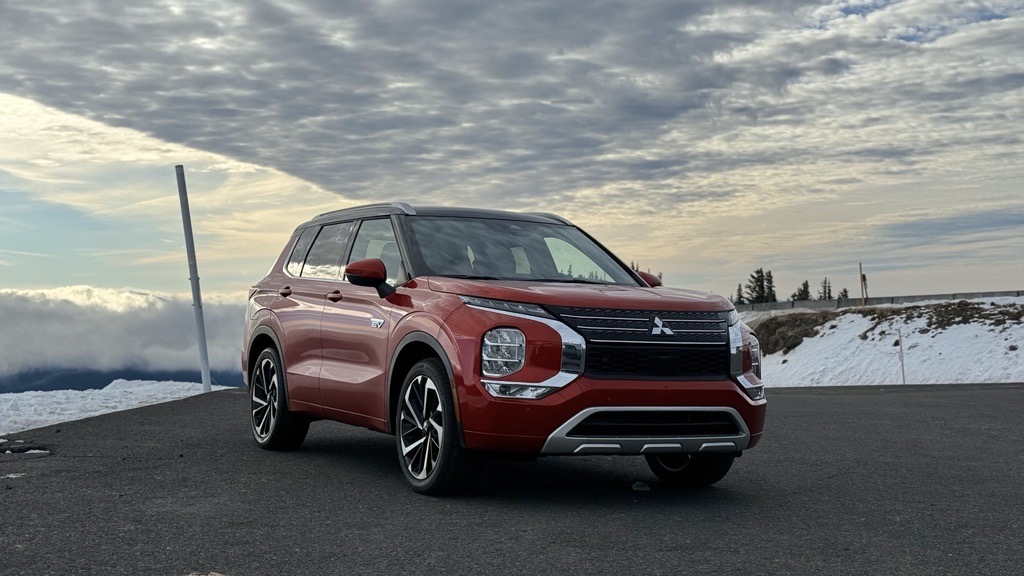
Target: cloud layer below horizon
108	330
702	139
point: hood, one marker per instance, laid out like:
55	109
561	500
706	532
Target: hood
583	295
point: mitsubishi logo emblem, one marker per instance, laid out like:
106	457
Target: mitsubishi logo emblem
660	328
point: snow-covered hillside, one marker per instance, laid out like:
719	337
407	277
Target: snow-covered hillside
968	341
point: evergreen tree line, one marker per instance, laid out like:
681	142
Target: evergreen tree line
760	288
635	267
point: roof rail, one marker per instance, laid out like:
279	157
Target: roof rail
404	208
553	216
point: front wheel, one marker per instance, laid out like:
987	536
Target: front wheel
273	426
429	452
690	470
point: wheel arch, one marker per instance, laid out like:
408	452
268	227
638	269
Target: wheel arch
262	337
416	346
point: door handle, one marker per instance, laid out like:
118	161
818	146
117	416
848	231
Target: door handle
286	291
334	296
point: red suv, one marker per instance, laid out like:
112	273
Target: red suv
460	331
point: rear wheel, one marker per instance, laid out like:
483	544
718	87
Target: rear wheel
273	426
690	470
429	452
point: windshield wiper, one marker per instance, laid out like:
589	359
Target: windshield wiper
564	280
469	277
577	281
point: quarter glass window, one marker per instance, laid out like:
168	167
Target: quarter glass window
299	251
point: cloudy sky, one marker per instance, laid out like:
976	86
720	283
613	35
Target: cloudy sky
703	139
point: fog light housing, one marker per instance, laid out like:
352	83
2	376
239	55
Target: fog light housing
517	390
503	352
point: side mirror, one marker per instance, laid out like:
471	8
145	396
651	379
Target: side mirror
370	272
652	280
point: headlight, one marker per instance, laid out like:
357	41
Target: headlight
506	306
734	317
744	358
503	352
755	356
735	333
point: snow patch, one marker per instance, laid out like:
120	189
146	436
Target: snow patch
26	410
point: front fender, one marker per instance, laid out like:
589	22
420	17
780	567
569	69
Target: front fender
422	329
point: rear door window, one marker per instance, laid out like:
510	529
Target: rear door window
324	259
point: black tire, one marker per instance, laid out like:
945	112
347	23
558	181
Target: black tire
273	426
430	454
690	470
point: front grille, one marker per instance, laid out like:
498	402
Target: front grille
614	361
651	345
647	424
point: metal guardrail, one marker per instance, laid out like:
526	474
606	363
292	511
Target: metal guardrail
854	302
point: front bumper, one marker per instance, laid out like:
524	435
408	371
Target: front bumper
545	426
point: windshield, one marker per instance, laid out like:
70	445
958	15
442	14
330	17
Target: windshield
512	250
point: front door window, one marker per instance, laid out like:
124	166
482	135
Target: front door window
376	239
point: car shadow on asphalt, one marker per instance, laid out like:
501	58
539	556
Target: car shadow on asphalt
362	456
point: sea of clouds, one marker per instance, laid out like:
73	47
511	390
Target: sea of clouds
100	329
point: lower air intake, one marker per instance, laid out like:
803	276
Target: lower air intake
653	424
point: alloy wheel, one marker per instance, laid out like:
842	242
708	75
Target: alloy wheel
421	427
264	399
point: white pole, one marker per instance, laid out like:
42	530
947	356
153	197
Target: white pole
193	271
903	370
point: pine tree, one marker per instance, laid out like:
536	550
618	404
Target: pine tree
803	292
570	271
844	294
769	288
756	288
738	298
825	290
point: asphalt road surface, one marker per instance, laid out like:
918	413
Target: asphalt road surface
914	480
